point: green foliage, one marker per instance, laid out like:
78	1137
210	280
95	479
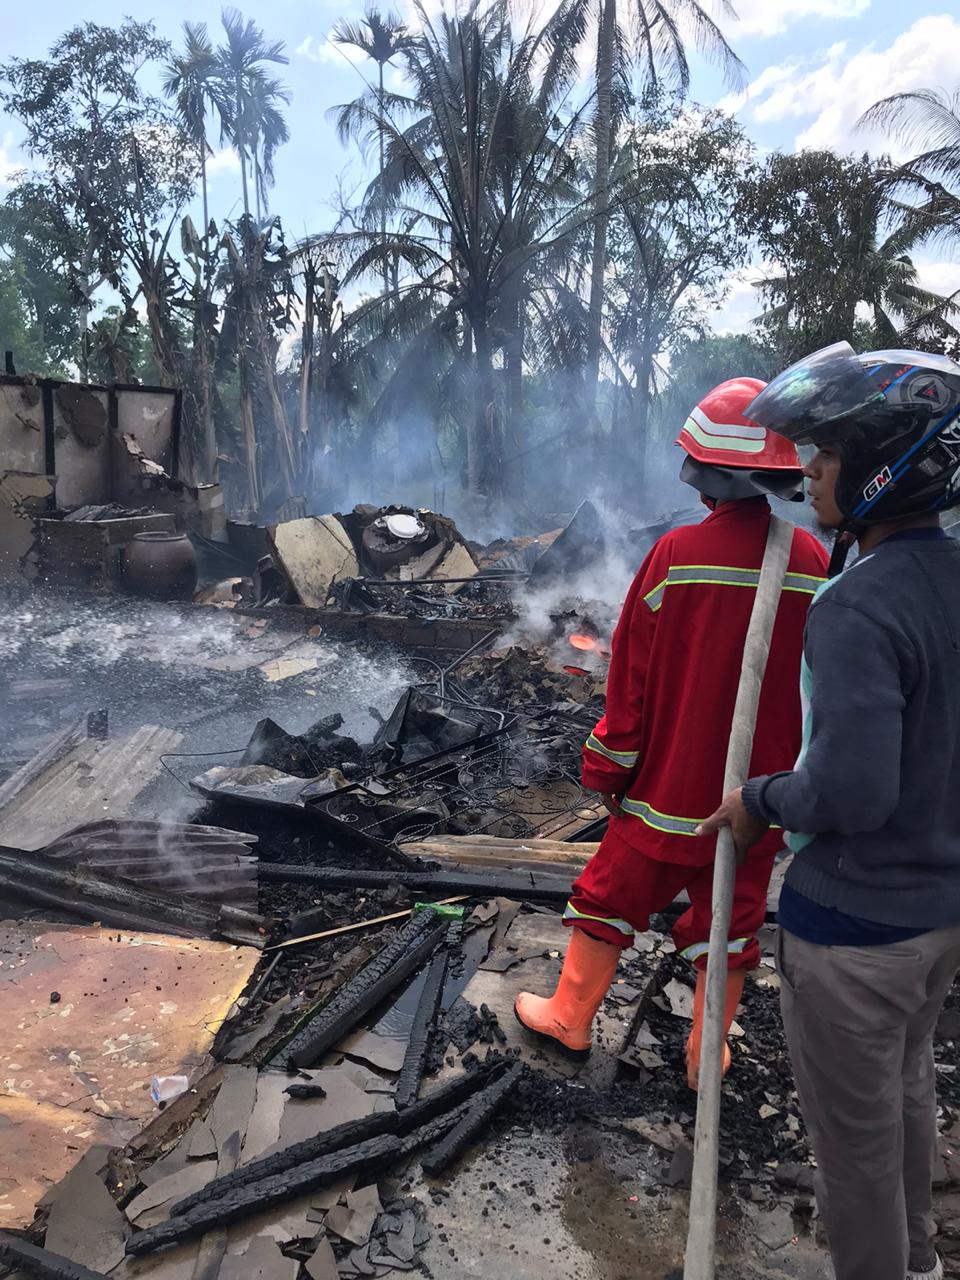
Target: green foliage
518	297
702	361
818	219
20	331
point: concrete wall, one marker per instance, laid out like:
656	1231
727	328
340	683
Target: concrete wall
82	461
148	417
85	452
22	446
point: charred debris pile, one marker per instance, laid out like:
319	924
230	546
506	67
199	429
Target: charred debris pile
278	972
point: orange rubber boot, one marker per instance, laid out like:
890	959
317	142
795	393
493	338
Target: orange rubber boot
567	1016
735	981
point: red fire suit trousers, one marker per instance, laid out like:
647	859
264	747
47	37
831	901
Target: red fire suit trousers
620	887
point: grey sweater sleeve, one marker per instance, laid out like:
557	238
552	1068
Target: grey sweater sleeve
848	776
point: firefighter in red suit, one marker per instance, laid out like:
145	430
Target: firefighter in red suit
658	754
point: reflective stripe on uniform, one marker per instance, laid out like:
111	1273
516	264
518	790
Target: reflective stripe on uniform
625	759
654	598
725	576
666	822
735	947
669	823
621	926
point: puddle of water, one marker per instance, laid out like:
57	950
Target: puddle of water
641	1240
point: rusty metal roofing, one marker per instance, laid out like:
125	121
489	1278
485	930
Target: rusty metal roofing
76	1069
210	863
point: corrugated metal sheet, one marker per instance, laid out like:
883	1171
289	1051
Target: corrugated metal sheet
210	863
93	781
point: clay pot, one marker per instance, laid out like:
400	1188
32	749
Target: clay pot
161	565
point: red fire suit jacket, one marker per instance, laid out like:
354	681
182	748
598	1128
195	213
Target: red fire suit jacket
674	671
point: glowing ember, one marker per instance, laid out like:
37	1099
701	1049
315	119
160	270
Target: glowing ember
590	644
577	671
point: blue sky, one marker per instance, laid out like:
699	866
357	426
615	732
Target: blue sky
812	67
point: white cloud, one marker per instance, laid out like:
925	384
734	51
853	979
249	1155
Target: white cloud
225	160
10	164
742	304
766	82
940	275
835	87
324	50
773	17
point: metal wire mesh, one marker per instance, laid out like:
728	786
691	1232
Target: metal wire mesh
519	782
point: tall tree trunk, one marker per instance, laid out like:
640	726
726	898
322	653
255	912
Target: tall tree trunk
203	188
513	361
603	129
250	443
306	371
202	344
383	202
640	443
208	422
485	468
85	272
243	175
240	139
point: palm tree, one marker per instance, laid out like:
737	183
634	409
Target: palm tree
253	124
269	132
191	81
928	119
481	175
650	35
880	276
381	37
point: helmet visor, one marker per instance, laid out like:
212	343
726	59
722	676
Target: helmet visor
818	390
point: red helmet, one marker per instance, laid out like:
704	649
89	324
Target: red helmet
717	432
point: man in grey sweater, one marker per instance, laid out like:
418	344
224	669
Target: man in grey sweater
869	938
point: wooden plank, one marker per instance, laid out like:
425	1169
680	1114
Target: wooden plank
536	854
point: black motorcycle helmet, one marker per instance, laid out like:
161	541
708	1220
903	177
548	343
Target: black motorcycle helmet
893	417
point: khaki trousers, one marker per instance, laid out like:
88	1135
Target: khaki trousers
859	1023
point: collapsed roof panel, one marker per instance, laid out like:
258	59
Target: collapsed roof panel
209	863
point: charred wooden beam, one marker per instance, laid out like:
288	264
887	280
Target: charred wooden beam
440	1106
243	1202
120	904
476	1117
34	1261
425	1135
523	887
424	1025
399	959
350	1134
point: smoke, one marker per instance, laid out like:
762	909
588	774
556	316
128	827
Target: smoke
547	462
595	594
555	607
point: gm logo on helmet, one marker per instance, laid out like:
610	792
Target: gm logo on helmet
879	482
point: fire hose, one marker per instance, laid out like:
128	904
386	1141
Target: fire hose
699	1259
